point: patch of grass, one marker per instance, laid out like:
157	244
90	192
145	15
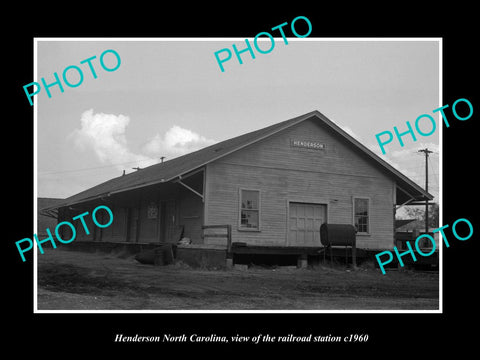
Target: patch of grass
75	279
84	280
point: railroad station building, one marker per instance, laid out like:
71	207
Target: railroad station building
273	187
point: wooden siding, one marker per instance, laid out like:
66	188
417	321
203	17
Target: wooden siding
283	174
81	233
131	221
177	208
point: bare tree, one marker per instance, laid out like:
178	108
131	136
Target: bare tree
418	213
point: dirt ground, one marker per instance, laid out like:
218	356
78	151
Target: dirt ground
71	280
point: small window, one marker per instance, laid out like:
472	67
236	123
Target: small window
250	209
361	215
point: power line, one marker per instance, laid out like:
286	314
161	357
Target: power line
92	168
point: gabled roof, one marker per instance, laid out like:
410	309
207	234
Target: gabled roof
172	169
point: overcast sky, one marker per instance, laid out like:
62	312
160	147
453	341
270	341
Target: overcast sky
168	98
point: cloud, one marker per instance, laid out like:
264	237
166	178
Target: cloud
176	141
413	150
105	135
401	160
411	163
349	131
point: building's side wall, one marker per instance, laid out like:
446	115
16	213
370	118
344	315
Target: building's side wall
152	215
284	174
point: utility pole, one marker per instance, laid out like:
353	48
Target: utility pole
426	151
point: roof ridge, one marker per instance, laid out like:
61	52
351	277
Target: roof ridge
180	159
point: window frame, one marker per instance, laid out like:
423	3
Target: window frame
354	198
259	210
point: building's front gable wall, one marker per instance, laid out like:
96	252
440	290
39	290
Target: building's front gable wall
305	164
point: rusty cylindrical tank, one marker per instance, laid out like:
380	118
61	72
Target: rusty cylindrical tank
337	235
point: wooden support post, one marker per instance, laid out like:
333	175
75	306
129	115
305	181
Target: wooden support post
354	255
229	247
302	261
101	229
229	238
